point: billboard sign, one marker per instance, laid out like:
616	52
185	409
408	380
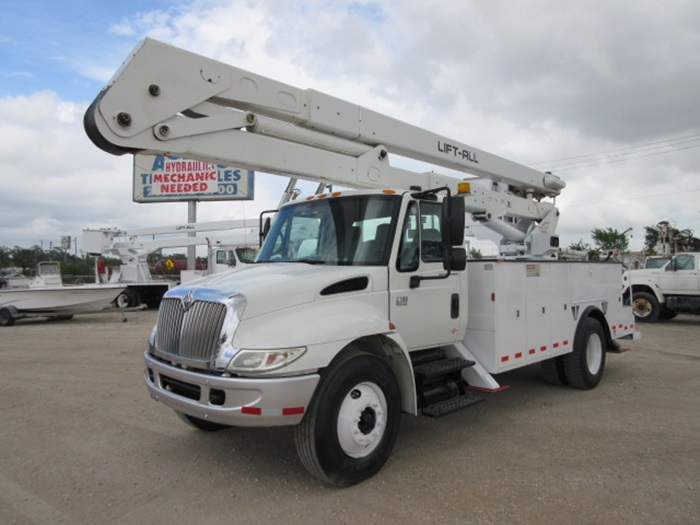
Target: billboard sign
158	178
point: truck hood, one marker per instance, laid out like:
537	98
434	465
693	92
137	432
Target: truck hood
269	287
645	275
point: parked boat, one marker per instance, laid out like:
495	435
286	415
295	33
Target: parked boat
46	296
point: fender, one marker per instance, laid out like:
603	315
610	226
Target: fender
651	288
360	321
598	315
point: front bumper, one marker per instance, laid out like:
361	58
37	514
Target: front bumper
234	401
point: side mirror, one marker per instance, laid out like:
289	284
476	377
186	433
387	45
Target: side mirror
459	259
453	212
265	223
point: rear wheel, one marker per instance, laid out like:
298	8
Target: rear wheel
553	371
645	307
584	366
352	422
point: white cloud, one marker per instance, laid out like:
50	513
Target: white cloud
530	81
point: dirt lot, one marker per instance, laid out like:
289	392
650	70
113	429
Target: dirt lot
82	443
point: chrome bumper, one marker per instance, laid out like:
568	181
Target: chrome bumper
235	401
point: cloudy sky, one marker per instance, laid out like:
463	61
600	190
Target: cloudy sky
604	94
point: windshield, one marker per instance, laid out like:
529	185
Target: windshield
656	263
354	230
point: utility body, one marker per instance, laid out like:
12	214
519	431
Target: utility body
361	304
661	293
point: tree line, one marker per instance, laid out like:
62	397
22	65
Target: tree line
655	236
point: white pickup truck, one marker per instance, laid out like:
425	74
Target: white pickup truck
661	293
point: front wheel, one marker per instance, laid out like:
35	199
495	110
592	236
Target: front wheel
352	422
645	307
584	366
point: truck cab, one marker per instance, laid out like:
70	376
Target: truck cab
660	294
680	276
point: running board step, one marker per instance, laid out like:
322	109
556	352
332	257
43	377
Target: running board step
441	368
452	405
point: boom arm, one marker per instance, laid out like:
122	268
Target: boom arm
165	100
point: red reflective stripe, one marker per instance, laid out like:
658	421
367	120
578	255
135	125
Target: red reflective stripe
518	355
251	411
543	348
531	351
556	345
566	342
504	358
292	411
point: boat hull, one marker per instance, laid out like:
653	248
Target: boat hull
63	300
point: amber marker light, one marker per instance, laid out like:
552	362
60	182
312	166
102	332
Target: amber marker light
464	187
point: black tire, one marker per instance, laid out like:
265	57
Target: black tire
584	366
153	300
128	299
352	422
201	424
645	307
553	371
6	317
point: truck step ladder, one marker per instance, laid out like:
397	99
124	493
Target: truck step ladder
452	405
443	367
439	383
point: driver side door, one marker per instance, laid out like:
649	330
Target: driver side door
428	314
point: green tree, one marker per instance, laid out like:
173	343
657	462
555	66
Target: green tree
26	258
475	254
5	257
666	232
610	239
584	247
651	239
78	270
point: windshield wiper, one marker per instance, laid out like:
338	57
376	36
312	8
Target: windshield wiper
310	260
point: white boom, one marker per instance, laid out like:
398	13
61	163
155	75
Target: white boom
132	247
165	100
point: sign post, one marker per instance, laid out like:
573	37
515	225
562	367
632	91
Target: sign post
166	179
158	178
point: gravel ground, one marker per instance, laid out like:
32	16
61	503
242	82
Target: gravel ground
82	443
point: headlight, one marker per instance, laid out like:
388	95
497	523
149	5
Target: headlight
152	340
264	360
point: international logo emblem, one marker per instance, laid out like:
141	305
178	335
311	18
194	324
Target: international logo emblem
188	299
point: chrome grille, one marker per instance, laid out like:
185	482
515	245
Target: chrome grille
190	334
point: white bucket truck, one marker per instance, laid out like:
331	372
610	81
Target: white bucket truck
132	248
361	305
